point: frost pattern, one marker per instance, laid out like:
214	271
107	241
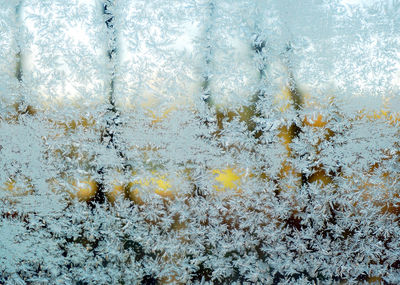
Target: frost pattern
199	142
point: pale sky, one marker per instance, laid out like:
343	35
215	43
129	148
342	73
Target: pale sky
82	36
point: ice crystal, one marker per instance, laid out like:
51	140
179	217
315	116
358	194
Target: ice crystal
199	142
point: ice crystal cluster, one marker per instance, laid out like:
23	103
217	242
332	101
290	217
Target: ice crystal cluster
199	142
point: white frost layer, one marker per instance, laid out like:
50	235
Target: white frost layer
65	64
159	53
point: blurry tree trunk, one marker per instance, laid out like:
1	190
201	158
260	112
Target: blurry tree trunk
208	54
297	99
18	68
21	105
258	46
112	116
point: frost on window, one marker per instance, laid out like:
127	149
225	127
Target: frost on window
199	142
